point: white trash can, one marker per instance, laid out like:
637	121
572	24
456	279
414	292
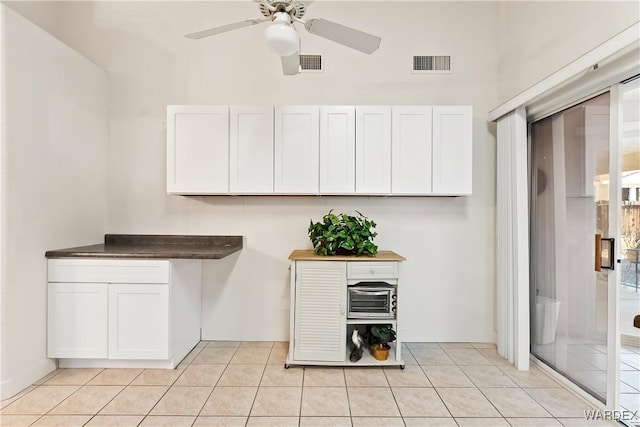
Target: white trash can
547	312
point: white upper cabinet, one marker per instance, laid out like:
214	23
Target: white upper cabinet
197	149
342	150
296	150
251	150
373	149
411	145
452	150
337	149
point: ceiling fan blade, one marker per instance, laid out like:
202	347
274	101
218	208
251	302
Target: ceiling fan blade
291	64
225	28
347	36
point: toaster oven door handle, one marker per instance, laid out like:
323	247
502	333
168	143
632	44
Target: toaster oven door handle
358	292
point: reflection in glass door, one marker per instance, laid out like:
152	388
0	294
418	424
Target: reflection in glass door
630	256
569	207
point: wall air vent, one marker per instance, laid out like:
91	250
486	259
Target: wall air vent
311	63
433	64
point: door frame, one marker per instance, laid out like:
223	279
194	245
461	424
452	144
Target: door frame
614	277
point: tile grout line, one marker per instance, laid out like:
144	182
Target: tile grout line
435	389
163	394
502	368
63	400
395	400
257	388
219	378
214	386
344	377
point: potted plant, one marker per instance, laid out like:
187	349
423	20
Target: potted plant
343	234
379	338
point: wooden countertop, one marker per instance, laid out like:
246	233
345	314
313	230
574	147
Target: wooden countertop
309	255
155	246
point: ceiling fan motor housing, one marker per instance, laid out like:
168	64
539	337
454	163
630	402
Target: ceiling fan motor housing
294	8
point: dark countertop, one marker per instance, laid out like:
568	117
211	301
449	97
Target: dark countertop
155	246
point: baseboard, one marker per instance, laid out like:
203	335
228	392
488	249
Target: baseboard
118	363
11	386
629	340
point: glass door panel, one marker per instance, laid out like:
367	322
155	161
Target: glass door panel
629	301
569	208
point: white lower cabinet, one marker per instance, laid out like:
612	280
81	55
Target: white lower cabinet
123	313
68	337
321	327
138	321
320	332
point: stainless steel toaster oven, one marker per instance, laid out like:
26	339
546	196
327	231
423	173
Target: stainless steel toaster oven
372	300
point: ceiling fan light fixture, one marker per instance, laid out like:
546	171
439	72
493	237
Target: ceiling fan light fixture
281	38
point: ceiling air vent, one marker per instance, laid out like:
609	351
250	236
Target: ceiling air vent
433	64
311	63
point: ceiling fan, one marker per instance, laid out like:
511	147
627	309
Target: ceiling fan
282	37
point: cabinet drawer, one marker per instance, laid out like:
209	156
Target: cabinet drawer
372	270
72	270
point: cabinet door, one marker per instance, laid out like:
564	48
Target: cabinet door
138	321
452	150
337	150
77	320
411	150
320	321
197	149
373	150
296	150
251	150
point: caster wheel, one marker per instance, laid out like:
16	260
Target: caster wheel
286	366
401	366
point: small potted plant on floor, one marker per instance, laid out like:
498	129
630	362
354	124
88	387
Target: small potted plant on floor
379	338
343	234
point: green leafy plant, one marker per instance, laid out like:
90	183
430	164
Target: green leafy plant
381	335
343	234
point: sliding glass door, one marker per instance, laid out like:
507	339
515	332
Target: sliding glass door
629	301
570	254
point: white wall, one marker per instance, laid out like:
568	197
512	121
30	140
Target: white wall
449	242
54	168
498	47
537	38
448	279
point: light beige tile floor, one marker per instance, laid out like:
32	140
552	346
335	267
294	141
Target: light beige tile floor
245	384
